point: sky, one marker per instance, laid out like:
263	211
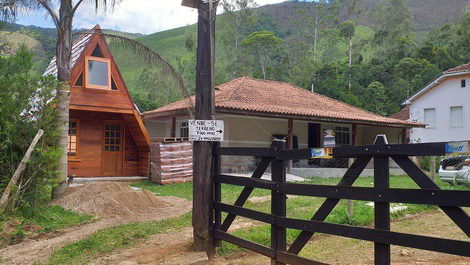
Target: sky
136	16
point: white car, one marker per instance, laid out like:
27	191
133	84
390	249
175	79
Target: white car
455	169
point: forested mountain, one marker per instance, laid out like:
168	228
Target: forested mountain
369	53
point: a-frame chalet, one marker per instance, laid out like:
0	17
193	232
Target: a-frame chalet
106	134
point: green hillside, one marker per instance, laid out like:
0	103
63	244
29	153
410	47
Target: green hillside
434	40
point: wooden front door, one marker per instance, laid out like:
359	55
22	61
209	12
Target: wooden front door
112	149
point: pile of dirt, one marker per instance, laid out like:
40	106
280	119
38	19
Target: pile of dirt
110	199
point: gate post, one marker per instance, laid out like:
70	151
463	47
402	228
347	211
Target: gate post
216	170
381	209
278	203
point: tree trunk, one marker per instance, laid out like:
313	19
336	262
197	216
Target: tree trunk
350	64
19	170
315	36
63	55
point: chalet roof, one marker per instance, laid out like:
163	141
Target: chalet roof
456	71
252	96
78	45
403	114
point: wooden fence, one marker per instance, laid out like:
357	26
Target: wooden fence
381	194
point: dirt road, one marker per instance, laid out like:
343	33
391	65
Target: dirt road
35	250
175	249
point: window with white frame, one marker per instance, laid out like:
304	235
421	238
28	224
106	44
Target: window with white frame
430	117
342	136
184	130
456	116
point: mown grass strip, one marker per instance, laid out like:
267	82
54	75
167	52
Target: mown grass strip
110	239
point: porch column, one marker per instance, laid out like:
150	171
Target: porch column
354	134
173	127
290	140
403	136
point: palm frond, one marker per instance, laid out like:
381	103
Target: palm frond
103	5
151	58
9	9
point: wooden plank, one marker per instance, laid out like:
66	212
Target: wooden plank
258	173
424	149
245	151
216	169
295	154
101	109
459	216
248	213
260	249
244	181
381	209
415	196
278	204
289	258
449	246
325	209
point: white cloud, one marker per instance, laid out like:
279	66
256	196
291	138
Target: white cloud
142	16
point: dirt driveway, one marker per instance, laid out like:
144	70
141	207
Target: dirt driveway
175	249
106	198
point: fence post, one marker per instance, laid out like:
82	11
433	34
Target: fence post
216	170
278	203
381	209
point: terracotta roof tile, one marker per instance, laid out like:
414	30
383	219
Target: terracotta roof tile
460	68
273	97
403	114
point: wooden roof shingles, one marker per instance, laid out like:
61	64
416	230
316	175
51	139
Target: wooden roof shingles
265	97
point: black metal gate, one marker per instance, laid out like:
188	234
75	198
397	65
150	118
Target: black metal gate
381	194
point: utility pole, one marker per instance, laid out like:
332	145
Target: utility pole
205	110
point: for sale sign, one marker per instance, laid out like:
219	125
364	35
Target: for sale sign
206	130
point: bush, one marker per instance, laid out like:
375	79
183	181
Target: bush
424	162
26	106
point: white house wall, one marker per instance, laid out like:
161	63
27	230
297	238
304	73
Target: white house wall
248	131
448	93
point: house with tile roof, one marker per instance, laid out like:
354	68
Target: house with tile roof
444	106
255	111
107	136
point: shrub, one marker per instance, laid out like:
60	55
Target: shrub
26	105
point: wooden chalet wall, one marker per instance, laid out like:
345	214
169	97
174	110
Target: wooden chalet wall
94	107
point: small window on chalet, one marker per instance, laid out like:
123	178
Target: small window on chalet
97	52
463	83
98	72
113	84
79	81
73	138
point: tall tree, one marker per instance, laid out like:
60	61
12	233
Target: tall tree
62	18
262	44
347	31
312	16
239	15
393	22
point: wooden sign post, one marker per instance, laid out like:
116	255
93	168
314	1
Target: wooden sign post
202	150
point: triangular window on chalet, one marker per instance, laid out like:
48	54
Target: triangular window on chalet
113	84
79	81
97	52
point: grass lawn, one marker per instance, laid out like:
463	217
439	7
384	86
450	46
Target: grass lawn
110	239
45	219
301	207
